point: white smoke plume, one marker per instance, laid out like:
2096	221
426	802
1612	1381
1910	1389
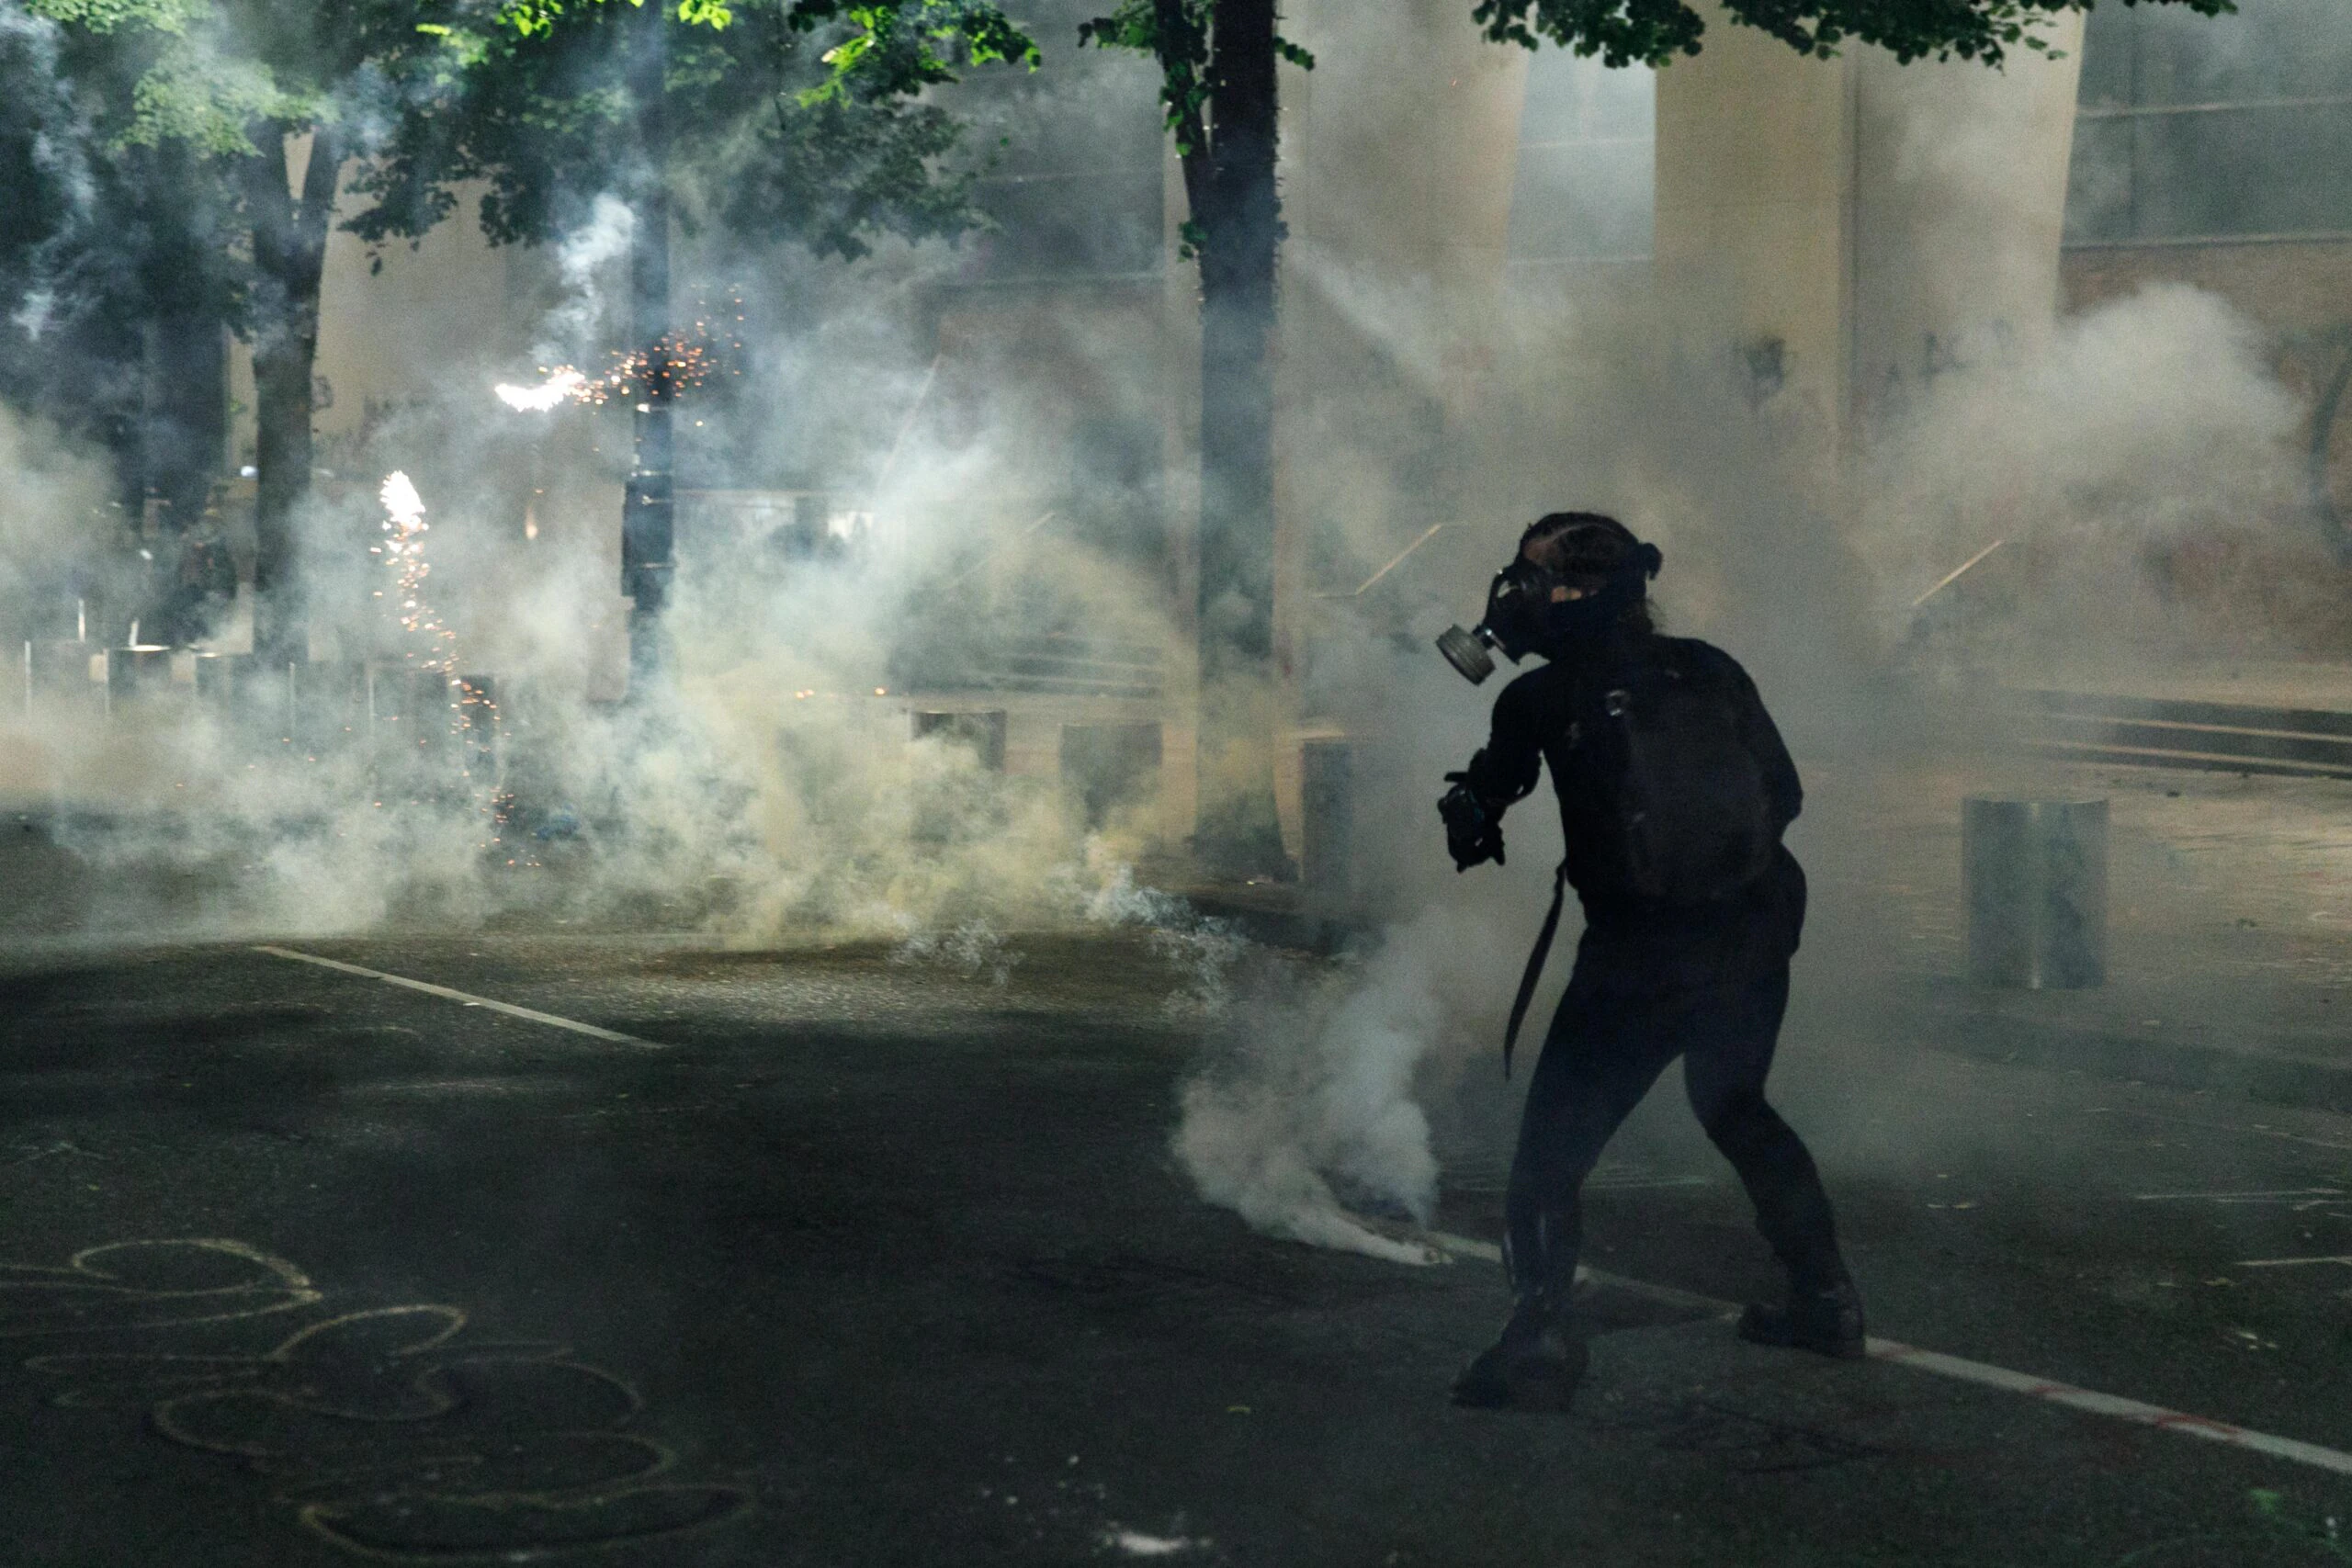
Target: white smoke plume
586	260
53	517
2145	421
1308	1115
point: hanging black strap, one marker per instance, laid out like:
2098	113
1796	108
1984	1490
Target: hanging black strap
1535	964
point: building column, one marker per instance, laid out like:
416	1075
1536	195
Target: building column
1399	151
1754	226
1960	209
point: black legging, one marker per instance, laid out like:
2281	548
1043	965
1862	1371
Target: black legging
1606	1047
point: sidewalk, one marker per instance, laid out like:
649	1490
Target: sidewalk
2267	682
2230	924
2229	937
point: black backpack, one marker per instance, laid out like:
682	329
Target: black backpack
1663	741
1689	795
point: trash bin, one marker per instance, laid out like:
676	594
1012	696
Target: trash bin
2037	892
325	702
219	677
137	677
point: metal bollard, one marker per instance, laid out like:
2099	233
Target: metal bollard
2037	892
137	675
221	678
1327	812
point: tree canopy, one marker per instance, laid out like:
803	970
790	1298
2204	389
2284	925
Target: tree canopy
798	119
1653	32
165	108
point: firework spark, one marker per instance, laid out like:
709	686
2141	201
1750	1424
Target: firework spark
402	502
403	555
679	362
561	384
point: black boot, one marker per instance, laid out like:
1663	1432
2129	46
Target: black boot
1823	1318
1540	1358
1535	1365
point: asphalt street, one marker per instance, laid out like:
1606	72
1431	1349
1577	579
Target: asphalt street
833	1260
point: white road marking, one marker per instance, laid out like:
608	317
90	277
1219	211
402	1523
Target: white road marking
1467	1248
2286	1262
533	1014
1983	1373
2256	1129
1599	1183
2239	1197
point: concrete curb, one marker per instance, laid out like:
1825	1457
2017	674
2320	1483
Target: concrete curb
1283	917
2276	1080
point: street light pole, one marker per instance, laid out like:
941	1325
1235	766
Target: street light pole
648	502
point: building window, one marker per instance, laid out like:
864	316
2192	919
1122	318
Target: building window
2193	129
1586	182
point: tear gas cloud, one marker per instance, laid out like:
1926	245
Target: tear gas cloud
773	790
53	509
2095	447
2146	422
768	793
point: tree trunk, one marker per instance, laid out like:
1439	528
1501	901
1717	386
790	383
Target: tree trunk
646	503
182	398
1241	221
290	254
183	410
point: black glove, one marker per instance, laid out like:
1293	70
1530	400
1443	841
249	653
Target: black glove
1473	830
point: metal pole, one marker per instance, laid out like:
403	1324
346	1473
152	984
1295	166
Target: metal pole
647	502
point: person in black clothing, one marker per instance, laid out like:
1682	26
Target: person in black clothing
1706	981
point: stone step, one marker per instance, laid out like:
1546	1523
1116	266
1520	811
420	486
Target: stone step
2180	733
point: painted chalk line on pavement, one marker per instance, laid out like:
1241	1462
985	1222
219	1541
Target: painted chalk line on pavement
533	1014
1980	1372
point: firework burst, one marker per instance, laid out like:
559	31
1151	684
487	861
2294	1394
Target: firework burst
561	386
681	362
403	554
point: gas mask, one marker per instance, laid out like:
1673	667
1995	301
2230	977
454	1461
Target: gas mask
1523	616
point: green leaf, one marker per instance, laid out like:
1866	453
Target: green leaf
1655	32
113	15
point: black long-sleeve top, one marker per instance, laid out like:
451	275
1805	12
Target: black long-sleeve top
1539	720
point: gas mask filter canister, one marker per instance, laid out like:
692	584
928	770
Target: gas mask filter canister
1523	619
1467	651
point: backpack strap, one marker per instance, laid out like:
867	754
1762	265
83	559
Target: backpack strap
1535	964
